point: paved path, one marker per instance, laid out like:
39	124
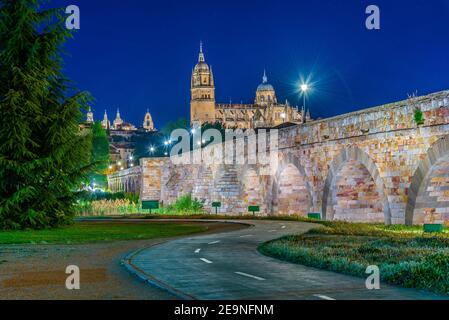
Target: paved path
228	266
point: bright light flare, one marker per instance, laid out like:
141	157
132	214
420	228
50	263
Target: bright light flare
304	87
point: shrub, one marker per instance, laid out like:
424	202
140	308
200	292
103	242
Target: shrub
419	116
405	255
184	205
96	196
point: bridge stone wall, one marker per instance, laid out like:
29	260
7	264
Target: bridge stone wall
129	180
372	165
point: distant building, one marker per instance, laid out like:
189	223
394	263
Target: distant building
148	122
265	112
106	124
90	116
121	135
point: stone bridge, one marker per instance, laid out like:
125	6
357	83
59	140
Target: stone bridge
129	180
374	165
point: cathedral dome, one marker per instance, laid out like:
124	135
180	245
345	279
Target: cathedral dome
201	67
265	86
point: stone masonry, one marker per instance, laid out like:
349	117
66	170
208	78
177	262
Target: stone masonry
371	165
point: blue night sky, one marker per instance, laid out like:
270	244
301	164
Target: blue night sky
139	54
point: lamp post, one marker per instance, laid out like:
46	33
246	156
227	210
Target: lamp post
304	88
283	116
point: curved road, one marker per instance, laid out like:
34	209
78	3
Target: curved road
227	266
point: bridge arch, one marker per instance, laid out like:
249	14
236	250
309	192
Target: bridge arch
291	192
428	194
352	174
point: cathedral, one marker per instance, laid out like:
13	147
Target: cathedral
265	112
119	125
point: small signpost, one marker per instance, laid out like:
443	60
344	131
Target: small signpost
216	205
254	209
431	228
150	205
314	216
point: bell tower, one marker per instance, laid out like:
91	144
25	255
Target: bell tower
202	102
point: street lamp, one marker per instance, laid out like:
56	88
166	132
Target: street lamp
283	116
304	88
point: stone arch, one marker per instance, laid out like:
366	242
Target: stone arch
356	162
291	192
428	192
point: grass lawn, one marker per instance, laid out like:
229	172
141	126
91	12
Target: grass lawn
84	232
404	255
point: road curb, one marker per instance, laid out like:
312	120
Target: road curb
151	280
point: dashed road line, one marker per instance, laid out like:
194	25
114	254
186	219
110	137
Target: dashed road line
205	260
214	242
246	236
323	297
197	250
283	227
249	276
272	230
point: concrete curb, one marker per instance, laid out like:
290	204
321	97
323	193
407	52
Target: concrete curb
147	278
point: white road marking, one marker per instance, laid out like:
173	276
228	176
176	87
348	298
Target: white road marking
323	297
246	236
205	260
250	276
197	250
283	227
214	242
272	230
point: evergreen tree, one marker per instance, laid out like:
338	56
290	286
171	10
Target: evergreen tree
43	154
100	155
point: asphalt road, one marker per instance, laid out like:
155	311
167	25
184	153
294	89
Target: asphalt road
228	266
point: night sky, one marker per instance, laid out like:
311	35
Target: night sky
139	54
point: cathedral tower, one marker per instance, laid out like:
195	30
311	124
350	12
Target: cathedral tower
265	94
90	116
106	123
118	120
202	103
148	122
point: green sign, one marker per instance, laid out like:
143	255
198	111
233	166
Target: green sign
216	205
430	228
315	216
254	209
150	205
